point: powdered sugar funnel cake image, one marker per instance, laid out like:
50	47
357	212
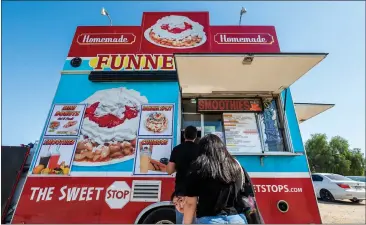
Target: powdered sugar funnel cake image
108	134
177	32
156	122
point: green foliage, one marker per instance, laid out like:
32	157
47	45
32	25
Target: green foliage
334	156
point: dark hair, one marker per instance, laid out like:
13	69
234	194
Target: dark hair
215	162
190	133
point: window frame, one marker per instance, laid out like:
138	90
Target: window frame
281	121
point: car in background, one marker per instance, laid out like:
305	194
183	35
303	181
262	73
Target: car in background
330	187
357	178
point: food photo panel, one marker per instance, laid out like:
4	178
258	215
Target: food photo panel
156	120
55	156
109	130
152	156
65	120
171	32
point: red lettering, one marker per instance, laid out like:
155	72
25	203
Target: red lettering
208	105
67	113
119	194
58	142
215	105
132	60
167	62
222	105
240	106
201	104
232	105
236	105
69	107
227	104
247	105
113	62
102	61
152	62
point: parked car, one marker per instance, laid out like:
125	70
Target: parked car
358	178
330	187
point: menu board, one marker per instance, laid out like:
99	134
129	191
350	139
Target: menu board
241	133
55	156
65	120
152	156
156	120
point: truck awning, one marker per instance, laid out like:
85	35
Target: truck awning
306	111
242	73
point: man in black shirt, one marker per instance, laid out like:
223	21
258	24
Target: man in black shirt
180	160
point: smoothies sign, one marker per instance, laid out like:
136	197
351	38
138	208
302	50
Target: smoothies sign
233	105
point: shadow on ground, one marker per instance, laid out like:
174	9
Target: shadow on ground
342	202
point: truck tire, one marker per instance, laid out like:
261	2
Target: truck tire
162	215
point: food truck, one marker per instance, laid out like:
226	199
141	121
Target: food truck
127	92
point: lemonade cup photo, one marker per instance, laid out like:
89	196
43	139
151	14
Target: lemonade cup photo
145	157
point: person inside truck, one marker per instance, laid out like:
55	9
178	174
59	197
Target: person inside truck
180	160
213	184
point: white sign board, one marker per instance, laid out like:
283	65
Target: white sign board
241	133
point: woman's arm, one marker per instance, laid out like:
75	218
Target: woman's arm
190	206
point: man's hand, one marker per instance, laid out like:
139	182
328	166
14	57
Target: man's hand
170	168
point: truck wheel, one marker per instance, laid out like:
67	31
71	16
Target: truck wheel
163	215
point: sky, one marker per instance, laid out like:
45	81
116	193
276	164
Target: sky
36	37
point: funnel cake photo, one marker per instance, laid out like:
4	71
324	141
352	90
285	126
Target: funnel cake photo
156	122
176	32
108	134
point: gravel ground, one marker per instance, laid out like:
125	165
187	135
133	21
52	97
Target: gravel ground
342	212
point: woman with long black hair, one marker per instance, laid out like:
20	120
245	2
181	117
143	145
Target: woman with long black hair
214	183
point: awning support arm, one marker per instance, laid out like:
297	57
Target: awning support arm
284	102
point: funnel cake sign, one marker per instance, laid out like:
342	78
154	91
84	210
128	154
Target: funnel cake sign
169	33
132	62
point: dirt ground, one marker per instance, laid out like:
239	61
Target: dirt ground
342	212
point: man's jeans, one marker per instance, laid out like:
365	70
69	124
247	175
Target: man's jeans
178	217
233	219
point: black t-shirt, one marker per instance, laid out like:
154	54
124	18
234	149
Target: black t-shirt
183	155
214	197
